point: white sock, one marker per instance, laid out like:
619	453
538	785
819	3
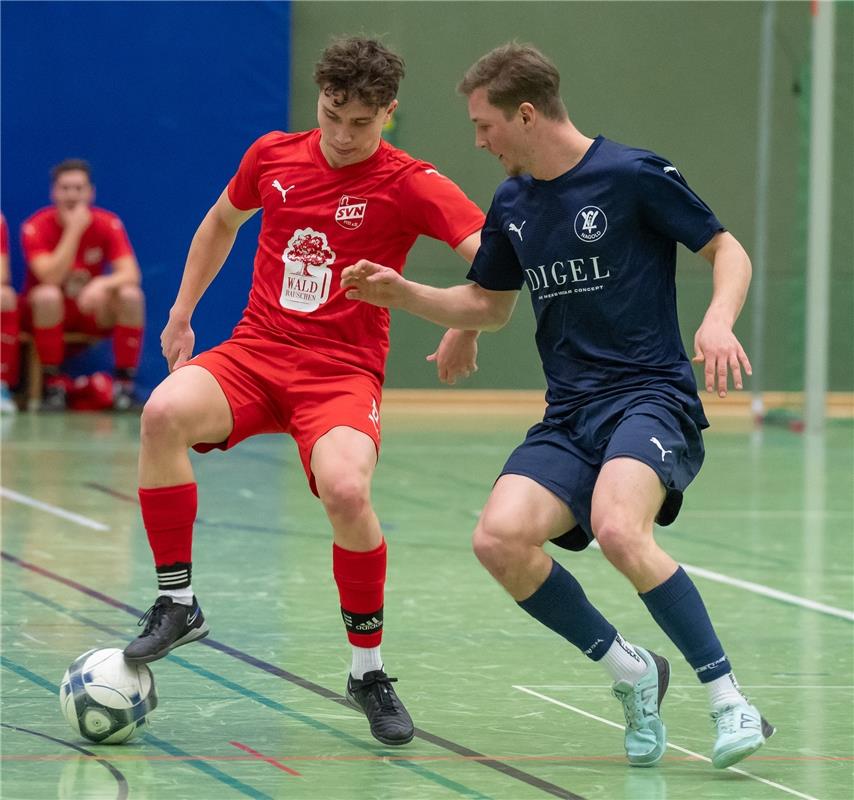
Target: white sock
365	659
182	596
622	662
724	691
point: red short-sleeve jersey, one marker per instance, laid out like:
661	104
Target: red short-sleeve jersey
102	242
4	237
318	220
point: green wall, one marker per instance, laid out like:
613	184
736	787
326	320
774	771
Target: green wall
679	78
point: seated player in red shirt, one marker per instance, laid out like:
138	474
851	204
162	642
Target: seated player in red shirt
9	346
303	360
82	275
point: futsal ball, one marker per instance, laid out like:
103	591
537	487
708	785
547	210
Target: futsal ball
106	699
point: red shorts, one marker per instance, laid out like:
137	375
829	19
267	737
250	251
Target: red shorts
74	320
273	387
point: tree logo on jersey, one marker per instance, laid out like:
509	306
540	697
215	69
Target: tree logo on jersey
307	275
350	211
590	224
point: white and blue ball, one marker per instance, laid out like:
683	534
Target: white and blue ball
106	699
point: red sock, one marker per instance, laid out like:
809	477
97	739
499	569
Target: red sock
127	341
49	345
361	583
10	348
168	514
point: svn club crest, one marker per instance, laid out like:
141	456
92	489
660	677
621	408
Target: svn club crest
350	211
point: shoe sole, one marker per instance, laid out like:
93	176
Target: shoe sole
193	636
354	704
662	666
734	756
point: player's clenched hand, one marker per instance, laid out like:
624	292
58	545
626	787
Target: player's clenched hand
78	217
456	355
373	283
176	342
94	294
716	346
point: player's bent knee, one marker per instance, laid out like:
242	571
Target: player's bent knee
620	542
45	296
165	419
8	298
345	497
493	549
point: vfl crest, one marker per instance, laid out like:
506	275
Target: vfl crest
350	211
307	275
590	224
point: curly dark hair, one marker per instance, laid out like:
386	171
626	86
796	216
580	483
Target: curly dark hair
514	74
356	67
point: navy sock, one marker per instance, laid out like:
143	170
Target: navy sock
677	607
560	604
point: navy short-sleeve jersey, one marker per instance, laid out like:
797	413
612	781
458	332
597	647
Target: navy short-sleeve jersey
597	248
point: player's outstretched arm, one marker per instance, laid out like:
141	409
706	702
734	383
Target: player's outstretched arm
456	355
468	306
211	245
715	344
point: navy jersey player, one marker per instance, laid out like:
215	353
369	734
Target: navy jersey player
591	227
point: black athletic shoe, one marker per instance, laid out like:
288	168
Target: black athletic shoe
54	395
374	696
123	398
167	625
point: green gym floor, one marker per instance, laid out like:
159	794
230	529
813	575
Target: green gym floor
504	709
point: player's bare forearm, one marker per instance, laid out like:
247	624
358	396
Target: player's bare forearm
125	272
53	268
209	249
715	344
731	273
466	307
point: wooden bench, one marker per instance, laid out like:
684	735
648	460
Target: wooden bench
34	371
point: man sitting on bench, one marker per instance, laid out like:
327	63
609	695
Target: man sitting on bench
82	276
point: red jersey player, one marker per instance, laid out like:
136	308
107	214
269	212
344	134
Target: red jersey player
303	360
68	248
9	346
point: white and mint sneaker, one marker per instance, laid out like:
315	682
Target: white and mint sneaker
646	735
741	730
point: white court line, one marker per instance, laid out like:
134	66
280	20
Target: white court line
55	510
750	686
759	513
669	744
767	591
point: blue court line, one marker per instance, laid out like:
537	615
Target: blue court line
446	744
213	772
203	766
245	691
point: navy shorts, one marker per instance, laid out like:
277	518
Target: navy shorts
565	455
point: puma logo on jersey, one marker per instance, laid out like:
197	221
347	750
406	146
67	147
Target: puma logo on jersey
660	447
513	228
671	169
277	185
